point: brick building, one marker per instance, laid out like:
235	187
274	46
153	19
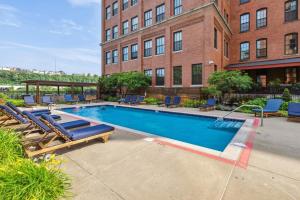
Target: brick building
179	43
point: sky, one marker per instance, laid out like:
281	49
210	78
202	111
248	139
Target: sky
36	34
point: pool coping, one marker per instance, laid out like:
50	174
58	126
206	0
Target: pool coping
237	151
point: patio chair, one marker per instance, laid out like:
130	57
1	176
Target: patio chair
141	99
133	100
69	99
210	105
42	127
34	112
167	101
81	98
127	99
294	111
272	107
29	100
69	138
9	115
176	101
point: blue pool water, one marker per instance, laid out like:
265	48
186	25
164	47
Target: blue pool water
191	129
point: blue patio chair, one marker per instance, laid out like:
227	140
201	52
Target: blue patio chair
10	115
81	98
127	99
141	99
35	112
69	138
47	100
210	105
167	102
37	123
29	100
294	111
133	100
176	101
272	107
69	98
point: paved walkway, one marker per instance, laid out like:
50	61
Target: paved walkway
130	168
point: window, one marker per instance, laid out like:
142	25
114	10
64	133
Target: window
148	48
115	32
125	54
245	22
177	75
148	18
244	1
107	58
107	12
125	28
134	23
160	77
134	2
115	56
291	10
215	38
244	51
177	7
291	44
197	74
148	72
261	48
261	18
115	8
160	13
226	49
134	51
177	43
107	35
160	45
125	4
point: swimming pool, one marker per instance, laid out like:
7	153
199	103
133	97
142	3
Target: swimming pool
192	129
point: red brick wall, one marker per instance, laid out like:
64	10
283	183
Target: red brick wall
275	30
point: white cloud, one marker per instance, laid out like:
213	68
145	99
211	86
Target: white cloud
83	2
8	16
64	27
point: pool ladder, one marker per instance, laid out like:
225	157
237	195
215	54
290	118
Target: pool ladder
220	123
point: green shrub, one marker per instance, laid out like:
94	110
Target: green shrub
152	101
3	96
112	99
26	180
17	102
189	103
10	146
286	96
258	102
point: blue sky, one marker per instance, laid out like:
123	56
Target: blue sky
35	33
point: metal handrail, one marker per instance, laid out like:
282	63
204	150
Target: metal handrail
245	105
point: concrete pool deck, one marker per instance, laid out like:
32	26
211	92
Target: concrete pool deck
131	168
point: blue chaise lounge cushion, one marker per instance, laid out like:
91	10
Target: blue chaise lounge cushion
294	109
273	105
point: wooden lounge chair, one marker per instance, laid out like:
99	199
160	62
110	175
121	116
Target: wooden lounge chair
37	124
10	117
29	100
167	102
272	107
176	102
68	138
125	100
294	112
210	105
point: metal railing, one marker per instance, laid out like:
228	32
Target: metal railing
252	106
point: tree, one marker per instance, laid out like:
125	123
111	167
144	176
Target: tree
228	82
286	96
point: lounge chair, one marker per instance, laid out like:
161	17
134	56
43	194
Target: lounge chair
127	99
133	100
34	112
140	99
81	98
42	127
272	107
9	115
69	138
167	102
210	105
69	99
29	100
47	100
176	101
294	111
